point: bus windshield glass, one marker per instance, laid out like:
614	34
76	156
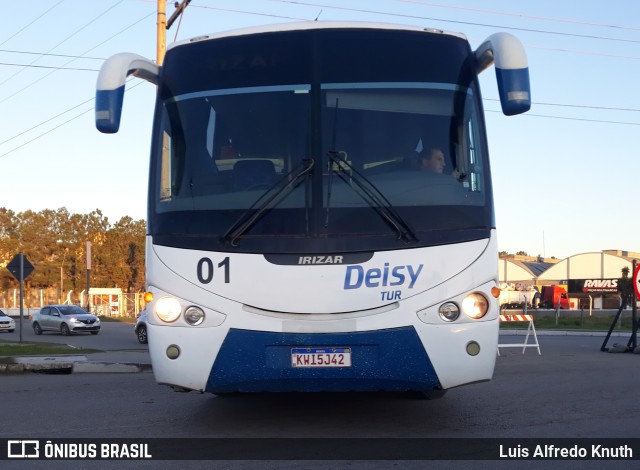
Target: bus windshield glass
319	160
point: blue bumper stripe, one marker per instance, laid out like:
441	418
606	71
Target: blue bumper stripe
383	360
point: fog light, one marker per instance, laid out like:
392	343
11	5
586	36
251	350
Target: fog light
194	315
473	348
449	311
173	352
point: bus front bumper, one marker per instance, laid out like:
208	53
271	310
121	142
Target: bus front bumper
382	360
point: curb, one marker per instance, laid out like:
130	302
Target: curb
19	368
109	368
57	366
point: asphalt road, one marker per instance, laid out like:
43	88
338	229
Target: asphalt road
113	336
572	390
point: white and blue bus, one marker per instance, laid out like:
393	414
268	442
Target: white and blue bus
294	242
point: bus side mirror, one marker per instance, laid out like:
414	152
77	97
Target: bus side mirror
111	83
109	110
512	71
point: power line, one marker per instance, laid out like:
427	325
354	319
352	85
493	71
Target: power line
45	133
46	121
68	62
444	6
25	27
70	109
48	67
584	106
63	41
573	51
602	121
9	51
249	12
556	49
303	19
470	23
56	127
520	15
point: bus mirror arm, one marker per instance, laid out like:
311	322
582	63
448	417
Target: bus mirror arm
111	84
512	71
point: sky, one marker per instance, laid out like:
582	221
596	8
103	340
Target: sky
565	174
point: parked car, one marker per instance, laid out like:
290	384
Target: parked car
65	319
7	323
141	327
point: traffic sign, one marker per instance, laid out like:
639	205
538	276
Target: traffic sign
14	267
636	286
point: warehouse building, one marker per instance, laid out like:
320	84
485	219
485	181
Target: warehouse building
590	279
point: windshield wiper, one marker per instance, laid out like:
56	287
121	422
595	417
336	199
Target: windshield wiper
267	201
369	192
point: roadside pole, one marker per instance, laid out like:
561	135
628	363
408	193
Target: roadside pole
632	344
21	292
88	276
20	268
633	341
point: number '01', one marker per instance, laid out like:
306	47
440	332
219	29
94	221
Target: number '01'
205	270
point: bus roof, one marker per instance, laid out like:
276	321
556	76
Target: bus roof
309	25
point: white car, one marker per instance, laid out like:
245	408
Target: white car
7	323
141	327
65	319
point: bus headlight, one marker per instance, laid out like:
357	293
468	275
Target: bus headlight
475	305
168	309
194	315
449	311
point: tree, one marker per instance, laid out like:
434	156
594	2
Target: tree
55	243
120	256
38	241
9	245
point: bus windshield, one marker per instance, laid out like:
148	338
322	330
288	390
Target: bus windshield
318	160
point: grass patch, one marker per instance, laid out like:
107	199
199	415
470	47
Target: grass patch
38	349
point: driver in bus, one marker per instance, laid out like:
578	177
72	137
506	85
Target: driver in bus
433	161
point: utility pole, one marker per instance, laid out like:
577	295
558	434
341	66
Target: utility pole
88	253
164	25
161	42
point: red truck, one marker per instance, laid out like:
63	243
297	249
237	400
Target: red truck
552	295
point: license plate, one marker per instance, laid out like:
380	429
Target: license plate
321	357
